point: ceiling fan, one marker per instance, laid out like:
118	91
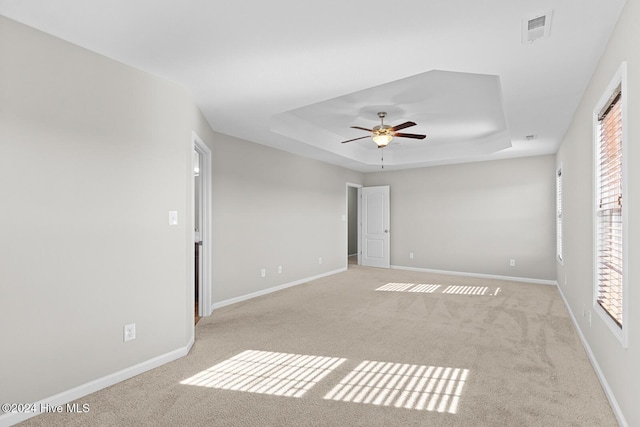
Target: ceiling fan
383	134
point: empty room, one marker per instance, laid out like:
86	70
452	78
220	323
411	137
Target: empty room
319	213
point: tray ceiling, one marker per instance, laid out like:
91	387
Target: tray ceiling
296	75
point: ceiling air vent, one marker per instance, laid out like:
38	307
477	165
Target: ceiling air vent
536	27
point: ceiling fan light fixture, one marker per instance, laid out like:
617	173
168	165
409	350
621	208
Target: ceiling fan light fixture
382	140
383	134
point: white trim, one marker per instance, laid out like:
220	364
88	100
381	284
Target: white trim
596	367
621	334
479	275
206	283
275	288
359	196
559	217
98	384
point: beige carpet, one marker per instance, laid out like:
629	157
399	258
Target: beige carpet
430	350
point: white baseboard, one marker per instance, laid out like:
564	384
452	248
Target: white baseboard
274	289
594	362
76	393
478	275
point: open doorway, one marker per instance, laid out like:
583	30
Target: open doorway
353	219
202	241
368	219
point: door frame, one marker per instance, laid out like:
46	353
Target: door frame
358	220
205	288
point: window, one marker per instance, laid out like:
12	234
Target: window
609	218
559	214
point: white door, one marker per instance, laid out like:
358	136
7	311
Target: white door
375	226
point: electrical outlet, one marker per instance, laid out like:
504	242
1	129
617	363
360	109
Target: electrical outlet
129	332
279	269
263	272
512	262
320	260
410	255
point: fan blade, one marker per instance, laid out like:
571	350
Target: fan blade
355	139
402	126
358	127
409	135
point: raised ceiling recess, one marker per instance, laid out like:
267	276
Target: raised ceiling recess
462	114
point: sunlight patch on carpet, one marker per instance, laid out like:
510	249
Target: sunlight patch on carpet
466	290
265	372
409	287
421	387
431	288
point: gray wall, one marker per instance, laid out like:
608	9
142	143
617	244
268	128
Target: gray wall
620	367
273	208
93	155
475	217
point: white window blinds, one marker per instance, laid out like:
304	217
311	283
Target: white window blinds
609	266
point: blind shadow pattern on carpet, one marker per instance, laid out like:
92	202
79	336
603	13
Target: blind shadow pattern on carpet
266	372
400	385
432	288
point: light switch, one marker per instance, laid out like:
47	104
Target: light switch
173	217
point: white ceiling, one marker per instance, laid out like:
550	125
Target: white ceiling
296	75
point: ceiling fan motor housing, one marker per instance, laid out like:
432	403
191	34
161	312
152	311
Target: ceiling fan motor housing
381	129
